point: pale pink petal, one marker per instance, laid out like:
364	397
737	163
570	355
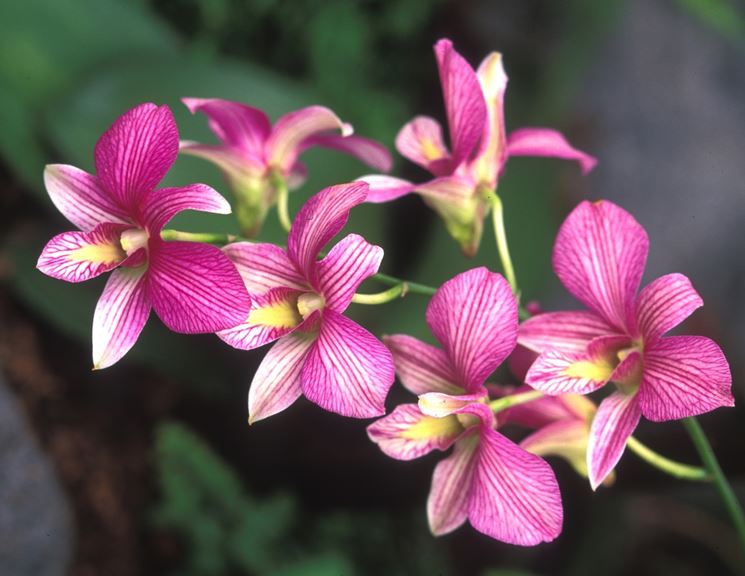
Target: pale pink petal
440	405
264	266
369	151
272	315
195	288
614	422
386	188
80	198
136	152
420	140
464	101
276	384
556	372
548	143
684	376
599	256
348	371
514	496
421	367
406	433
474	317
159	206
79	256
565	438
120	316
291	130
320	219
549	409
665	303
492	153
563	331
347	265
238	166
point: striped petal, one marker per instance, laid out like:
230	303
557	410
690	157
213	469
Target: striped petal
562	331
120	316
665	303
439	405
599	255
264	267
371	152
347	265
348	371
420	140
80	256
159	206
421	367
136	152
386	188
548	143
80	198
684	376
556	372
474	317
195	288
276	384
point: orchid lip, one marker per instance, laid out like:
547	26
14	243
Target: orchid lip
133	240
310	302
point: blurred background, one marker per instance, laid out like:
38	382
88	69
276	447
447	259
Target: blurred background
149	467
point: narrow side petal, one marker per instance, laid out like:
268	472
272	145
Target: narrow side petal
195	288
421	367
614	422
366	150
665	303
264	266
684	376
120	316
566	439
237	165
385	188
492	153
420	140
562	331
159	206
348	371
439	405
548	143
550	409
556	372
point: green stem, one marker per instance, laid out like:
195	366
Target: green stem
513	400
676	469
411	287
205	237
720	480
397	291
283	195
501	237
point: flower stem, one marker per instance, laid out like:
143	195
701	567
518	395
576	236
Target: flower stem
676	469
396	291
720	480
204	237
513	400
411	287
501	237
283	195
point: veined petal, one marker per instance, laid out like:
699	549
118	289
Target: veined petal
272	315
492	153
514	496
420	140
599	255
406	433
159	206
369	151
80	198
565	438
420	367
614	422
665	303
276	384
439	405
556	372
136	152
474	317
264	266
563	331
79	256
684	376
348	371
385	188
195	288
291	130
120	316
345	267
320	219
549	143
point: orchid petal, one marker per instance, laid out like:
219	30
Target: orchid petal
195	288
421	367
474	317
599	255
386	188
548	143
420	140
371	152
264	266
562	331
556	372
550	409
238	166
665	303
565	438
614	422
348	371
439	405
159	206
492	154
684	376
121	314
345	267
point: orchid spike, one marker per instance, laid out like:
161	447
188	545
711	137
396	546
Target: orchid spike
300	302
194	288
501	489
599	256
257	159
467	173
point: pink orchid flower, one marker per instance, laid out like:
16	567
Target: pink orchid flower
253	154
599	256
193	287
322	354
470	170
504	491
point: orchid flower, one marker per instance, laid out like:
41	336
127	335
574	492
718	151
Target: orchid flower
300	301
504	491
194	288
467	173
257	158
599	256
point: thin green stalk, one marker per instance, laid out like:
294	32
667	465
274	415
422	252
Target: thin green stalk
397	291
205	237
412	287
513	400
676	469
501	237
283	195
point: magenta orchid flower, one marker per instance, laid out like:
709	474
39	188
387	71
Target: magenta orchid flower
599	256
300	301
470	170
503	491
253	155
193	287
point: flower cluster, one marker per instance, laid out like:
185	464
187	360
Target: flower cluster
251	294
